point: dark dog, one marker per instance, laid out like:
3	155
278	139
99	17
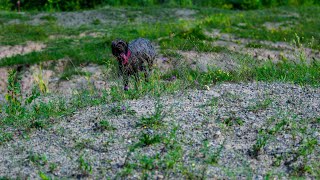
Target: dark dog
136	56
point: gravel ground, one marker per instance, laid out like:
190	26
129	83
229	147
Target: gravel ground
223	121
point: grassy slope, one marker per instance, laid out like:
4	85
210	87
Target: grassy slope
171	34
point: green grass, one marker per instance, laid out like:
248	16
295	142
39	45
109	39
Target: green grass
254	20
20	33
169	32
172	35
71	71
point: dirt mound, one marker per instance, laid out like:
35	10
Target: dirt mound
207	134
51	72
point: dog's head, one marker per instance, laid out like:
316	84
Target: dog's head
119	49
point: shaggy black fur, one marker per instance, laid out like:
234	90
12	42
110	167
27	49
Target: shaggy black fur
136	56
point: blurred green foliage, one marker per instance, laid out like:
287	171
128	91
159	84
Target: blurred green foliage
63	5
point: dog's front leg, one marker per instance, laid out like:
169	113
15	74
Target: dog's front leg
125	81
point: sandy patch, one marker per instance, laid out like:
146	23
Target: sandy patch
81	35
185	13
49	73
8	51
274	51
205	60
3	79
271	26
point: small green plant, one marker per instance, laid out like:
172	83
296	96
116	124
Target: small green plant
174	150
306	148
53	167
43	84
38	124
83	143
147	139
119	110
231	121
254	45
84	166
5	136
127	169
261	142
49	18
34	94
96	22
260	105
38	159
265	134
13	96
44	176
278	160
211	156
105	125
147	163
154	120
277	127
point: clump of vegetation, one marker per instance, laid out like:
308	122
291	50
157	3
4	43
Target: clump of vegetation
211	156
49	18
260	105
148	138
13	97
121	109
84	166
306	148
44	176
155	120
105	125
265	134
42	83
230	121
38	159
5	136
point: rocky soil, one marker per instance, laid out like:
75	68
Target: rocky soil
200	116
224	122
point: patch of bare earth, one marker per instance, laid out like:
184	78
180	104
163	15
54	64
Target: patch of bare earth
275	51
50	73
203	61
81	35
197	121
272	26
8	51
185	13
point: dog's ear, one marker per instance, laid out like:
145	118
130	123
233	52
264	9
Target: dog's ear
123	44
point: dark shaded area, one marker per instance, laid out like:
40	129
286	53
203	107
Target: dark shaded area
70	5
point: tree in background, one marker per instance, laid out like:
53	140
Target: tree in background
6	5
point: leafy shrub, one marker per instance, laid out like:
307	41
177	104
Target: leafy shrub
5	5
